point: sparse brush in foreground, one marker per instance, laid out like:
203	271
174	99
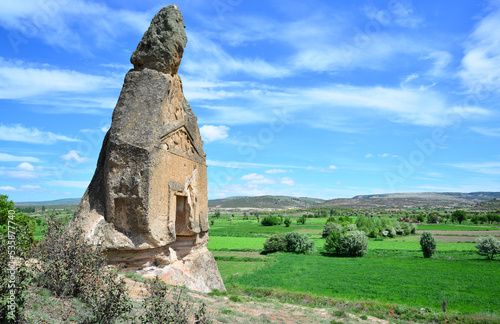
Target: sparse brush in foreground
69	266
160	310
16	237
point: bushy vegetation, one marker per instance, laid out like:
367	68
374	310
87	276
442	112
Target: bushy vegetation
347	244
16	237
159	309
372	226
458	216
488	246
69	266
271	221
289	242
427	244
330	228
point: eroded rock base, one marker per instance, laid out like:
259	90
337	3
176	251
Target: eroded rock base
187	262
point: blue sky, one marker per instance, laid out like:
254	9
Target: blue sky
306	98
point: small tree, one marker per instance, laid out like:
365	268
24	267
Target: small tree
459	216
301	220
287	222
349	244
488	246
428	244
330	228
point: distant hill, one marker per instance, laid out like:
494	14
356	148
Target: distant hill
277	202
58	202
415	200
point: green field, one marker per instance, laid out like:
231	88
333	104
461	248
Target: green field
393	270
468	286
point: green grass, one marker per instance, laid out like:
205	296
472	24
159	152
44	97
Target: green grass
236	243
468	285
452	227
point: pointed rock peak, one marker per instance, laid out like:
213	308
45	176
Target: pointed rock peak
162	45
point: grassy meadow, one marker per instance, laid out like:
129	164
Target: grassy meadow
393	271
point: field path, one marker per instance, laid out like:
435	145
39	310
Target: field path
222	310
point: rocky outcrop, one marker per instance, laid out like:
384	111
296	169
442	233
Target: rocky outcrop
147	201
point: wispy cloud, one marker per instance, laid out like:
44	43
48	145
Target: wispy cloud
19	133
33	84
70	24
490	168
495	132
480	68
12	158
74	156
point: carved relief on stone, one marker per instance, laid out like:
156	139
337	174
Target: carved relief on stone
179	141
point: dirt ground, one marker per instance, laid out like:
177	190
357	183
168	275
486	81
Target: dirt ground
223	310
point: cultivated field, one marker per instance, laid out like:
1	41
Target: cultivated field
393	274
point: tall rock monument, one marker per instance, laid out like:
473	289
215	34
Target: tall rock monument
147	202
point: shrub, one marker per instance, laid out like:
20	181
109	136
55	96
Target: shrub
270	221
275	243
287	222
459	216
16	237
351	227
69	266
13	291
350	244
413	228
107	297
299	243
159	309
301	220
488	246
289	242
428	244
330	228
420	218
433	218
399	229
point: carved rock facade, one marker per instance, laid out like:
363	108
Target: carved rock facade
147	201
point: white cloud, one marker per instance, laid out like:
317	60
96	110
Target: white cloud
12	158
207	59
68	183
69	24
333	167
211	133
425	108
24	170
74	156
34	84
26	167
480	68
23	188
369	155
254	179
274	171
287	181
18	133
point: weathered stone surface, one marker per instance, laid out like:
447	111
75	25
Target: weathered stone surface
162	45
147	201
